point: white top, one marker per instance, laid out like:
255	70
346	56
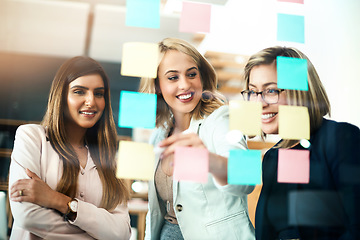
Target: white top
32	150
208	210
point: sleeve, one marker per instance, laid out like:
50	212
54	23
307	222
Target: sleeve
217	129
47	223
346	172
43	222
102	224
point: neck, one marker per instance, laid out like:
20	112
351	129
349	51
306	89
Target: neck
75	136
182	122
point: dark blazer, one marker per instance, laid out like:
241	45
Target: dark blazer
328	207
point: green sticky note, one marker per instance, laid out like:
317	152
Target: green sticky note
292	73
143	13
137	110
244	167
290	28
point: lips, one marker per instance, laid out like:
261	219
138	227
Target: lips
88	113
185	97
267	116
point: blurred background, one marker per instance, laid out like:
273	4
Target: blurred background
37	36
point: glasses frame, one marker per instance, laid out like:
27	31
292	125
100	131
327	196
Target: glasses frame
262	94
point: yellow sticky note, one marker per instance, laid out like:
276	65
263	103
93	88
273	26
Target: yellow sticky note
140	59
135	160
245	116
294	122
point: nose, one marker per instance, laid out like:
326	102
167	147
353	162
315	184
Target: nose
259	98
184	83
90	100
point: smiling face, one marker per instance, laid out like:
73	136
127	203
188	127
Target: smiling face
264	77
85	101
180	82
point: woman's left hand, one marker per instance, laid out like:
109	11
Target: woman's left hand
33	190
180	139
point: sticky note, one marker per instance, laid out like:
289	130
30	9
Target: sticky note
292	73
292	1
143	13
244	167
245	116
137	110
290	28
191	164
293	166
140	59
294	122
316	208
195	17
135	161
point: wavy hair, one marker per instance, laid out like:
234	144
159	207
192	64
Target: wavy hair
101	138
315	99
211	98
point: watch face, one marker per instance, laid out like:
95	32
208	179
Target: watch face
73	206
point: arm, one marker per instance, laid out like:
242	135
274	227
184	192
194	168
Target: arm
38	220
346	175
102	224
29	149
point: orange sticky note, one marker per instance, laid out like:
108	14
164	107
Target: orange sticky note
293	166
135	161
140	59
191	164
294	122
245	116
195	17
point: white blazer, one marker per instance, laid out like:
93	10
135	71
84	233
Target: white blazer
205	211
32	150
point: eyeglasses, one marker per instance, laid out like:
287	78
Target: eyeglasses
270	96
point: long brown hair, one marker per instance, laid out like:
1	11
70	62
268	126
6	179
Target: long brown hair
211	98
315	99
101	138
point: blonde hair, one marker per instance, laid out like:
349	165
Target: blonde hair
101	138
315	99
211	98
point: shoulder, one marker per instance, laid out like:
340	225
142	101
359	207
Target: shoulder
157	135
336	129
220	113
35	129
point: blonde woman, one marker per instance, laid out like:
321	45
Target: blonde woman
328	206
62	174
188	101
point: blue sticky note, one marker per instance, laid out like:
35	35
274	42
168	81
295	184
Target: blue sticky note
290	28
244	167
292	73
143	13
137	110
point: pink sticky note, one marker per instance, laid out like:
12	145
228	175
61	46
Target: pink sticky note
195	17
191	164
292	1
293	166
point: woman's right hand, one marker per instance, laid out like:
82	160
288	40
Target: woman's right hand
35	190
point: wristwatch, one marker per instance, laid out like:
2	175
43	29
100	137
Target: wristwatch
72	210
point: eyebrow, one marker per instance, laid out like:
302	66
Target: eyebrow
175	71
265	85
82	87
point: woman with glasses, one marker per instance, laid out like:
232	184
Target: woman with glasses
328	206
